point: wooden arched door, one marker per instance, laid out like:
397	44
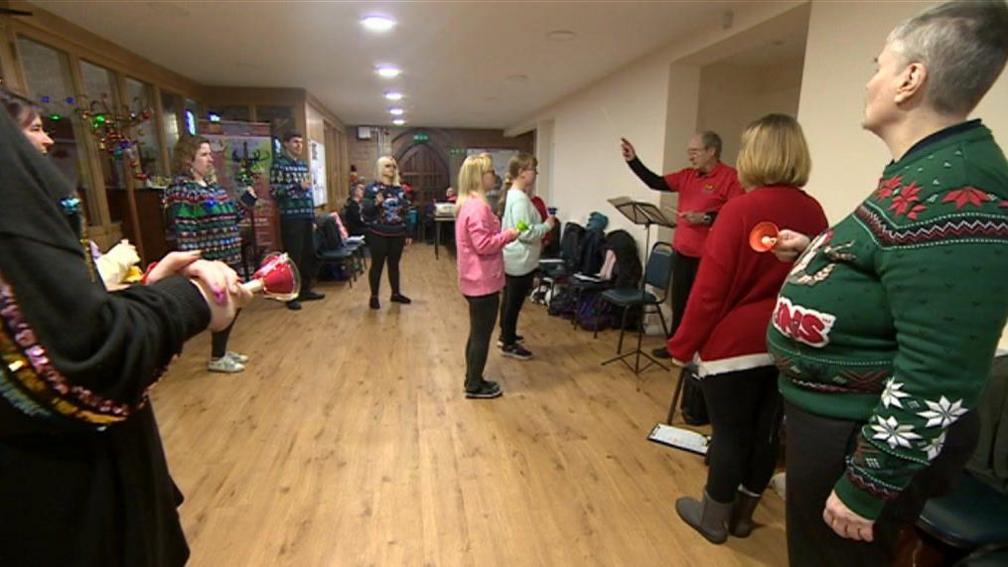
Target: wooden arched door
425	170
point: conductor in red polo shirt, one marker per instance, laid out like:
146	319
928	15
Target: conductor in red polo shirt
703	189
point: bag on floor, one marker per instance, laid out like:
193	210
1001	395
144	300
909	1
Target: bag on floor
562	304
693	405
593	312
540	291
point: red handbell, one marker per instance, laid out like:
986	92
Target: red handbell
277	277
763	236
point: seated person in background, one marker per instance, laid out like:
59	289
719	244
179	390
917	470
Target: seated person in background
352	212
450	195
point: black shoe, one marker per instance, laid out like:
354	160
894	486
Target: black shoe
518	339
309	295
487	390
294	305
516	351
374	303
661	352
400	298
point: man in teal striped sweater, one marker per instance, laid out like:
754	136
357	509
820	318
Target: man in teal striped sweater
886	328
291	188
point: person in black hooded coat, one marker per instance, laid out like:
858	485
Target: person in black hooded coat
83	476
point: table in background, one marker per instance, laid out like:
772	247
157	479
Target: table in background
438	221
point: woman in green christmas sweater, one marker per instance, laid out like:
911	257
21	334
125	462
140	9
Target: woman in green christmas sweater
886	328
205	218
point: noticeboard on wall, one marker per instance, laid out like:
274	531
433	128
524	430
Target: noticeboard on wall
318	172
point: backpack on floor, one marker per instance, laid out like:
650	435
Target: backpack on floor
594	313
693	405
562	304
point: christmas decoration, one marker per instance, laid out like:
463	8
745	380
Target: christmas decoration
248	168
115	130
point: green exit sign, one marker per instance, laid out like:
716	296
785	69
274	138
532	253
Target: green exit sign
420	137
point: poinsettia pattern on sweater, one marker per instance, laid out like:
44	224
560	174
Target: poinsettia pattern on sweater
913	279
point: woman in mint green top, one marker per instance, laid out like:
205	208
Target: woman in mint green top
521	257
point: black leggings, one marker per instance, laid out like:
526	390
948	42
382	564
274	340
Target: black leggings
817	449
219	340
684	272
744	409
482	316
382	248
515	290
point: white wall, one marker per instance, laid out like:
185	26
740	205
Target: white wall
732	96
652	102
843	39
847	160
587	167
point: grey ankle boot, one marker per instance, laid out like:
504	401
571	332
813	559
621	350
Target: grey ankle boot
710	518
741	523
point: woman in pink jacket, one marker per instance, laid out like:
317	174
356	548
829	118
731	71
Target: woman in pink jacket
478	245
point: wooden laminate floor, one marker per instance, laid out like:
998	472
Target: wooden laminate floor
348	442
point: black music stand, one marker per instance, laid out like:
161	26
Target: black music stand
644	214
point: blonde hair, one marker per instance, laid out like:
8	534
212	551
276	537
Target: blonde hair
774	152
470	179
184	154
380	164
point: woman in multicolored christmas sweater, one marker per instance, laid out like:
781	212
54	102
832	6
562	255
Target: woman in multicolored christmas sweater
886	328
205	218
384	211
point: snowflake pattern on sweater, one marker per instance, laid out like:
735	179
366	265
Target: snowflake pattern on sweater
911	283
286	176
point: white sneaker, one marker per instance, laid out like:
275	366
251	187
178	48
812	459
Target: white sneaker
225	364
237	357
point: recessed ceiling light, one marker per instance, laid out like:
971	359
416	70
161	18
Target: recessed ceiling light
388	71
377	23
398	121
393	95
561	35
396	111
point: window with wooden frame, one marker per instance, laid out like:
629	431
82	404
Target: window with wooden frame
49	83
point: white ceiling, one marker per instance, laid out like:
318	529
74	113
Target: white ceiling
463	62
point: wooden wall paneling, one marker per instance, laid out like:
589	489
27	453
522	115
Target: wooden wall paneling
254	96
333	120
94	169
128	177
159	123
10	66
52	30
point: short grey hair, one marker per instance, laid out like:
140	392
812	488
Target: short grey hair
710	139
963	45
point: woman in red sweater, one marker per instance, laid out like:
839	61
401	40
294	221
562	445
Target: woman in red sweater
724	325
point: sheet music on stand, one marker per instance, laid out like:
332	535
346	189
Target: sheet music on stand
642	212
